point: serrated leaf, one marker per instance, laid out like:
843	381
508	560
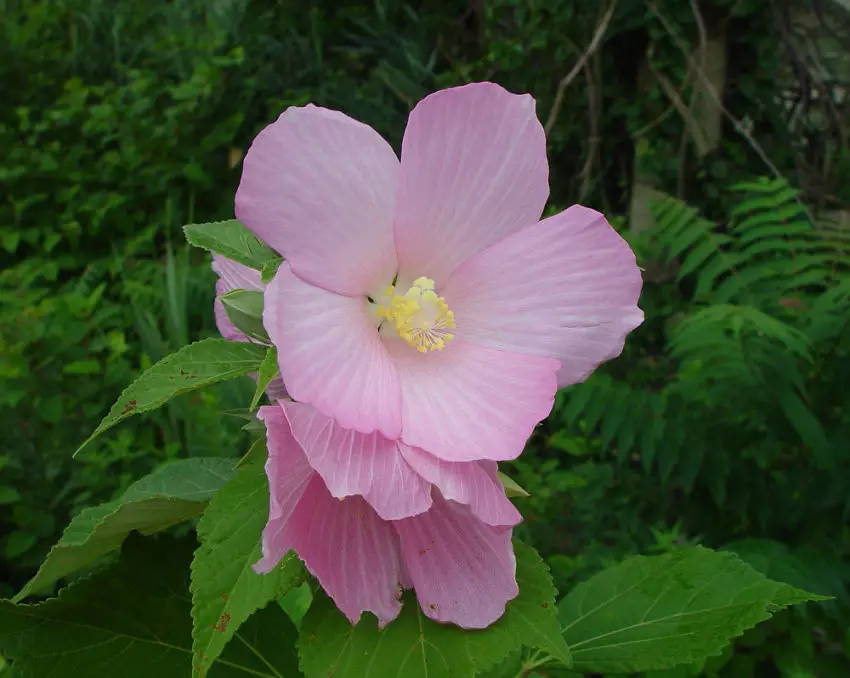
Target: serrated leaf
810	569
193	367
658	612
173	493
230	239
270	270
269	370
133	621
225	590
413	646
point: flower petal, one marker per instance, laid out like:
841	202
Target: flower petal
473	170
331	356
231	276
320	188
469	402
566	287
350	550
353	463
473	483
276	390
464	571
236	276
288	473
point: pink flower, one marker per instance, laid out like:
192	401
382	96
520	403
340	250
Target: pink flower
371	516
234	276
423	298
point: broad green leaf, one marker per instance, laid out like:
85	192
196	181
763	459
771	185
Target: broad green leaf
175	492
244	309
225	589
270	270
657	612
268	371
133	621
230	239
193	367
413	646
818	571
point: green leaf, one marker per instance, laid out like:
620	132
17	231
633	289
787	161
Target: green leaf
230	239
244	308
89	366
225	589
175	492
256	453
657	612
191	368
413	646
133	621
269	370
816	570
804	421
512	487
270	269
9	495
18	542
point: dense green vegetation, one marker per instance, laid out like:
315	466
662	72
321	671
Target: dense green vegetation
724	423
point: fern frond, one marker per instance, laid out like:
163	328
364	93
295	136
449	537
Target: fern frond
682	232
771	249
727	346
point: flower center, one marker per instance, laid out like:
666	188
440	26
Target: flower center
420	317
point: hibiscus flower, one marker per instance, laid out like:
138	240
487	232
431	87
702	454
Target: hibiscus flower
371	517
423	298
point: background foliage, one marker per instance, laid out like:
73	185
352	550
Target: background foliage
724	423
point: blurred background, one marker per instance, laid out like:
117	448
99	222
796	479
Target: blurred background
713	133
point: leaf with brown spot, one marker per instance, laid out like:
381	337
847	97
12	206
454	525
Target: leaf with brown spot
203	363
225	589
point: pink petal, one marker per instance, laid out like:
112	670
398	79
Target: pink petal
353	463
277	389
473	483
350	550
288	473
320	188
566	287
473	170
464	571
469	402
231	276
331	355
236	276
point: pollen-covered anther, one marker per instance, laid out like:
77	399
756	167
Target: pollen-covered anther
420	317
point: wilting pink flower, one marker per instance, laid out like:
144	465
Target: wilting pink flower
371	516
234	276
423	298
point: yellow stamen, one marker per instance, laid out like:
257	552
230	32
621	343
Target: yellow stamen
420	317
